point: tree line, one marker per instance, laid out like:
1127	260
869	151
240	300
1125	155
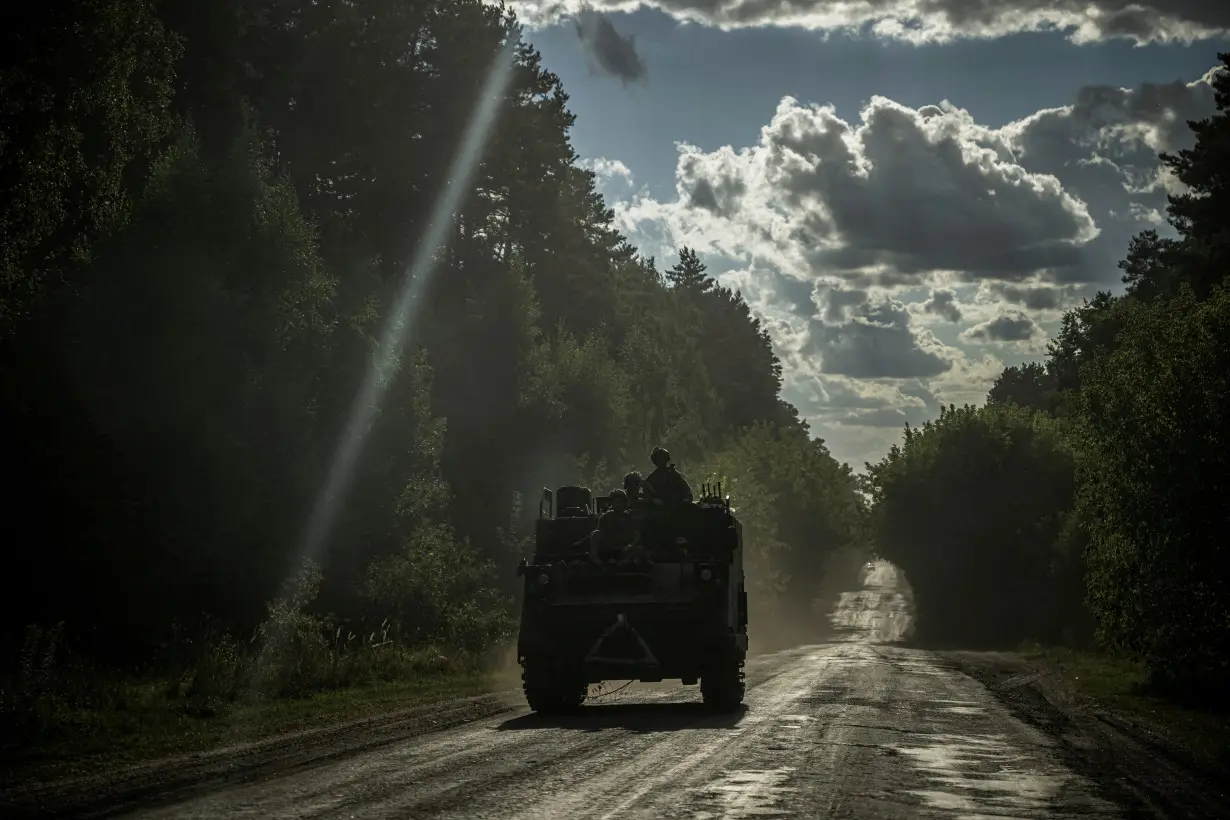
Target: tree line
207	211
1085	501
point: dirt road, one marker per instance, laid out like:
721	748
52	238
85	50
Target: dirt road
856	728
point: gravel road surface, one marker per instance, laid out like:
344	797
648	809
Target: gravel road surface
855	728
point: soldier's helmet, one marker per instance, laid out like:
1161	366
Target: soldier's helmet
660	456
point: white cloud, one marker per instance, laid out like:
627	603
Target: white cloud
930	21
899	258
894	199
607	169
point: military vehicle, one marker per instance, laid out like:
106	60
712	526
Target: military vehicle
678	613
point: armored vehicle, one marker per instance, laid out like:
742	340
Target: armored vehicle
679	611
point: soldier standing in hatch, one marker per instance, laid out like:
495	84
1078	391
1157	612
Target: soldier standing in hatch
665	485
617	532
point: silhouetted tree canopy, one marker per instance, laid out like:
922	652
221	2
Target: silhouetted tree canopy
208	209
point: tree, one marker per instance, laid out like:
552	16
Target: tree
1132	393
1199	212
1153	434
1148	270
689	274
181	405
1028	385
86	88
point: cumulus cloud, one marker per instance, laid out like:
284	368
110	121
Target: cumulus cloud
903	197
1036	297
889	252
899	196
607	169
612	52
932	21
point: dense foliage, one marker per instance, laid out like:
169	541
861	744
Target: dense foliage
208	211
971	507
1087	495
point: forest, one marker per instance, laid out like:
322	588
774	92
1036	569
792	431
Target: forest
250	271
290	343
1084	504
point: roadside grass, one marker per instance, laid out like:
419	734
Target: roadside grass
61	714
1120	685
141	723
90	721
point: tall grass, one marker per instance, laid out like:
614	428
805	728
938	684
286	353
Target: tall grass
51	693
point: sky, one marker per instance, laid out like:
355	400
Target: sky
909	193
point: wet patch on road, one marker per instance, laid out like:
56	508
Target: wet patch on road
978	762
983	774
1142	782
745	793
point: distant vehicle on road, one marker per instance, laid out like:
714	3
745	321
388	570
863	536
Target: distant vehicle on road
678	611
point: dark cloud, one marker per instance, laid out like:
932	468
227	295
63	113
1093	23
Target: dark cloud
838	303
613	52
1037	297
943	303
1141	21
877	343
1006	328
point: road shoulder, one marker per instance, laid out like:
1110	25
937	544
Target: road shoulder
108	793
1142	765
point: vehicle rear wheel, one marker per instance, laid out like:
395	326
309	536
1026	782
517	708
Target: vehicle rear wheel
723	685
550	688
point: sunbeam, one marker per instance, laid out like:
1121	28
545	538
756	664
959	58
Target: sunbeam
401	319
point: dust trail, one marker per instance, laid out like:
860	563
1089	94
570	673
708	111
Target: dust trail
881	612
801	616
